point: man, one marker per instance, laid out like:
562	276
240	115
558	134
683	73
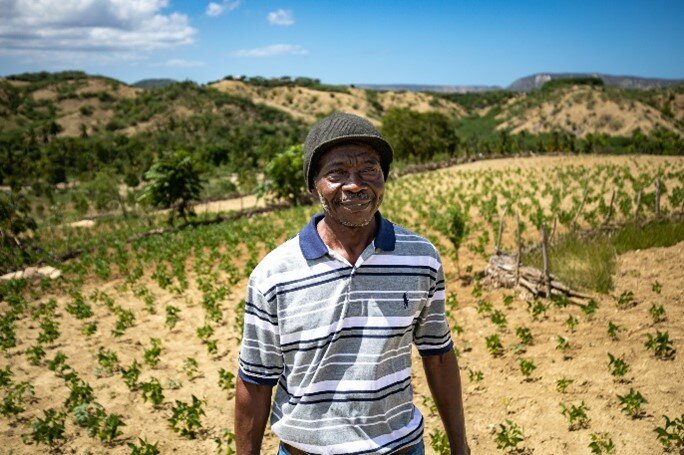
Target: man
331	314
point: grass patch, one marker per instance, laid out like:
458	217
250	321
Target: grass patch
590	263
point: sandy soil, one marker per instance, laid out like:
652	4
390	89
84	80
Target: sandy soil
502	394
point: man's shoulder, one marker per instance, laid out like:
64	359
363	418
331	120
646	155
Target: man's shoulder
411	243
282	259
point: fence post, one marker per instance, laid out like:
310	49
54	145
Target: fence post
609	215
657	199
545	254
518	256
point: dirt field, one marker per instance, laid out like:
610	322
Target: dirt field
502	393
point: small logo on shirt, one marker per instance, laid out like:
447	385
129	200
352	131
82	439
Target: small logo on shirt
405	300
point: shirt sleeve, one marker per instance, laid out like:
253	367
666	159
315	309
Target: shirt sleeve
261	360
431	333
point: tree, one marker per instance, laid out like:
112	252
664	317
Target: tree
419	135
173	182
284	175
15	219
457	229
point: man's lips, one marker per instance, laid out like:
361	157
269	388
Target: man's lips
356	204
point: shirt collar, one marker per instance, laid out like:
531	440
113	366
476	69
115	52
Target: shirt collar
312	245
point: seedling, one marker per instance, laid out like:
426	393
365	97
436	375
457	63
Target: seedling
124	320
525	335
657	312
475	375
613	330
439	442
190	367
509	436
601	443
58	363
484	307
16	396
671	435
35	354
561	301
563	344
498	318
537	309
657	287
5	376
89	416
151	355
185	417
173	384
571	322
110	428
430	404
661	345
49	331
108	360
89	329
227	438
618	367
226	380
130	375
79	308
526	368
144	448
563	383
494	345
631	403
576	415
80	393
152	390
626	300
590	308
172	317
508	300
49	429
212	348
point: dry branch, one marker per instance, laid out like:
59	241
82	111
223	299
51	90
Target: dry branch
503	271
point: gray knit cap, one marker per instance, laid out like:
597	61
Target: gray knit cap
336	129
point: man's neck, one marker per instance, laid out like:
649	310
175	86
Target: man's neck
347	241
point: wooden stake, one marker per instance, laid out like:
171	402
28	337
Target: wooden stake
518	255
609	215
501	226
545	254
581	206
657	201
638	206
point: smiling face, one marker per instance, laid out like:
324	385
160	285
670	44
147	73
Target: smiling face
350	183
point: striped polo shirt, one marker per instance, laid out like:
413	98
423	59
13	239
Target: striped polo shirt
336	338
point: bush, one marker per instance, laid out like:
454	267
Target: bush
417	136
284	175
173	182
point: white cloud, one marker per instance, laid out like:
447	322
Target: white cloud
216	9
281	17
181	63
271	51
100	28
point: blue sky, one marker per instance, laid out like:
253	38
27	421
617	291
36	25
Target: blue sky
458	42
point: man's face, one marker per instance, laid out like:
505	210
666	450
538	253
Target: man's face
350	183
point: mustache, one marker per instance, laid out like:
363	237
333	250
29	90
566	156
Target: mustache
350	197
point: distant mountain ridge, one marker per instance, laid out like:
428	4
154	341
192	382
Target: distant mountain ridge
536	81
154	83
429	88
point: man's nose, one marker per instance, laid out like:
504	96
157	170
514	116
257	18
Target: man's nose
354	182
